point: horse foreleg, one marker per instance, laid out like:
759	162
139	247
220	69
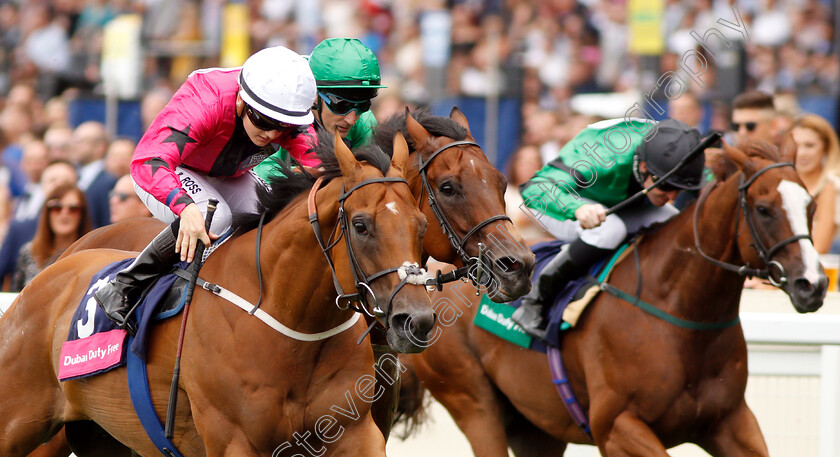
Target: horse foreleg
628	437
526	440
361	438
56	447
737	434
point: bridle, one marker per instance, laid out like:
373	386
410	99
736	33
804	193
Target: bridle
474	267
773	271
409	273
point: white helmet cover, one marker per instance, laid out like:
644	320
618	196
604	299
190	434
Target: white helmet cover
278	83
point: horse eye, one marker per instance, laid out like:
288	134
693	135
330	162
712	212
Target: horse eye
763	210
360	227
447	189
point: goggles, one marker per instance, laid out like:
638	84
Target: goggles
342	106
264	122
665	186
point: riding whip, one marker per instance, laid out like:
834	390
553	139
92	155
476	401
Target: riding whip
192	273
701	146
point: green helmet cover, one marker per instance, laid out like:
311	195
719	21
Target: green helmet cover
344	63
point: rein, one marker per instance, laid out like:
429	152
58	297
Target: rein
766	255
478	262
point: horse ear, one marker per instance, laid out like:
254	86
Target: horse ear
346	160
788	149
459	118
400	156
736	155
418	133
719	163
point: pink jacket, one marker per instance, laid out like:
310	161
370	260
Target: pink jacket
196	130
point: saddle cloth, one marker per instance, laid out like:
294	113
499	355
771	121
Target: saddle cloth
94	343
564	311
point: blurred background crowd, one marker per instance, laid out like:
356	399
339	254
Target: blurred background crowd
529	74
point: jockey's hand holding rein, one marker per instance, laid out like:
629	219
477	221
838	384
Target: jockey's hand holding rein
191	230
591	215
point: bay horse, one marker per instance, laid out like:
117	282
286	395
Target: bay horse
245	390
643	383
458	190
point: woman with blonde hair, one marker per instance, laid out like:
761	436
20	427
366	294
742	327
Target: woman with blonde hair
64	219
818	165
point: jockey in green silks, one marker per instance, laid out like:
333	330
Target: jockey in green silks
347	78
602	166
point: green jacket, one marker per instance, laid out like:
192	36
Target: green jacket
360	134
601	158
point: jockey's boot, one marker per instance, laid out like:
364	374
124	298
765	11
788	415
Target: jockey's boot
573	261
116	298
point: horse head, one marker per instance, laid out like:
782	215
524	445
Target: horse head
777	212
386	228
462	196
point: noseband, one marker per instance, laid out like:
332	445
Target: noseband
773	269
408	273
478	262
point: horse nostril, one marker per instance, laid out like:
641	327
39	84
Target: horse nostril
508	264
802	286
418	324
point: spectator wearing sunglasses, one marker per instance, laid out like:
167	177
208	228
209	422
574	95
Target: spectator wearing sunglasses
124	202
64	219
347	77
753	117
218	125
570	198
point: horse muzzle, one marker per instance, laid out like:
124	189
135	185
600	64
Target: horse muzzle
805	295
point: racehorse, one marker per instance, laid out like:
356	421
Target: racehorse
645	383
460	193
244	389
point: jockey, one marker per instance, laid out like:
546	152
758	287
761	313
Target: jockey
603	165
219	124
347	76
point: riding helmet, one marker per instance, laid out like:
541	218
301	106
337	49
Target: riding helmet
673	141
278	83
346	67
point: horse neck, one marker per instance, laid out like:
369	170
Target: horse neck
299	290
679	267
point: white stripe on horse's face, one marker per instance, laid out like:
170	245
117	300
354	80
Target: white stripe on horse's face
393	207
795	201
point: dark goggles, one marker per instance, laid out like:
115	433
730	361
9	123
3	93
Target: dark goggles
342	106
264	122
665	186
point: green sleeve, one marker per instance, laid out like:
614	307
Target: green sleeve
553	195
268	168
362	131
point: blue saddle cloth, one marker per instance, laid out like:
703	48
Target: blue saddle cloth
544	252
143	315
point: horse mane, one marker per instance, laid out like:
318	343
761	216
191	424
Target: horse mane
292	182
436	125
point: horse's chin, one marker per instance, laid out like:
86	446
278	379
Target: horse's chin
810	305
806	303
509	291
404	344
